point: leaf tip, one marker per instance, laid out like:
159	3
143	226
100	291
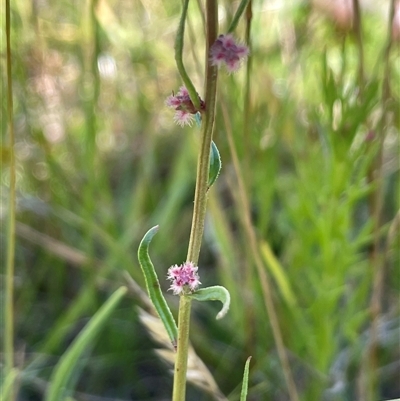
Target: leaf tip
214	293
222	312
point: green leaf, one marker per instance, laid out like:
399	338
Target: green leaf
153	286
7	385
65	367
180	34
215	164
215	293
245	385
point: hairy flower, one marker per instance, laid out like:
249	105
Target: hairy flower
184	278
226	50
183	106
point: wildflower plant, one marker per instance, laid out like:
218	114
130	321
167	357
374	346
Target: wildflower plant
332	210
222	50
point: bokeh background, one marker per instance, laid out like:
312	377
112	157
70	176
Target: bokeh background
314	122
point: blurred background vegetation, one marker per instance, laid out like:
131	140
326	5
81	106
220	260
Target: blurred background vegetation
314	120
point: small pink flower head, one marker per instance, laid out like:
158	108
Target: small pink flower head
226	50
184	107
184	278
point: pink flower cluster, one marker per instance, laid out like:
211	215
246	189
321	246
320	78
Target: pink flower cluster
183	277
184	108
226	50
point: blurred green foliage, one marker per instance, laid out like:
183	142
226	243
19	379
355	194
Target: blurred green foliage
99	161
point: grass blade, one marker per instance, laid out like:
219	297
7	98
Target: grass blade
65	367
245	385
7	386
278	273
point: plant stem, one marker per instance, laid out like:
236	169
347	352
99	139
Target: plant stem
250	321
247	98
200	201
203	161
194	97
91	87
179	390
237	16
9	290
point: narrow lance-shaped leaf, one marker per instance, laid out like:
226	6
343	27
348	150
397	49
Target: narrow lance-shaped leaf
215	164
65	367
153	286
215	293
179	57
245	385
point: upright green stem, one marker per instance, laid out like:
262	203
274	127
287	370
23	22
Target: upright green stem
200	201
203	161
247	138
9	290
237	16
194	97
90	50
179	390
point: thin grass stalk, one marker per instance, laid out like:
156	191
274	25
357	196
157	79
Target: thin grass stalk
252	241
200	201
64	370
9	288
237	15
247	102
377	260
90	50
248	272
